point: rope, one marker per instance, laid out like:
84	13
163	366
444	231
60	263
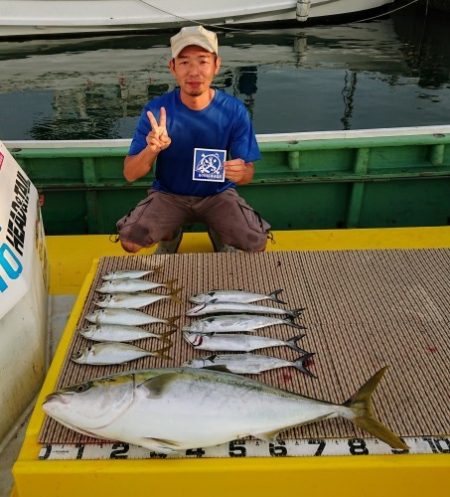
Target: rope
221	27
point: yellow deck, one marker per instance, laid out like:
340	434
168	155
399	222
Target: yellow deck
406	475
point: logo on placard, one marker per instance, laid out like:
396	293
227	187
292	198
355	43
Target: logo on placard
208	165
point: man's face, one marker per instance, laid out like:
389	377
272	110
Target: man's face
194	69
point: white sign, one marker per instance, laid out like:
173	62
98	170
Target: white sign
18	217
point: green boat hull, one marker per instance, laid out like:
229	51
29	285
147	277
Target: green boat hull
304	181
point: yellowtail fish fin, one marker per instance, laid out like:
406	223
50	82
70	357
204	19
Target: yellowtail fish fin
302	362
274	296
218	367
156	385
163	444
361	405
174	297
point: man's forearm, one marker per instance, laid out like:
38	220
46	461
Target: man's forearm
136	166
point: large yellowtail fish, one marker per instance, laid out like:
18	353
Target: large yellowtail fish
168	410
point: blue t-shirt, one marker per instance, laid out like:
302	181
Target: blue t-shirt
223	125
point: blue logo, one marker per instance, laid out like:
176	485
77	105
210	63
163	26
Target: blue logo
208	165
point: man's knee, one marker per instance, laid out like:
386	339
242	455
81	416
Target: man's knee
130	247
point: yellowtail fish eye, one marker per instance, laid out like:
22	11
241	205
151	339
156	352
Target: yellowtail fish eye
83	387
77	355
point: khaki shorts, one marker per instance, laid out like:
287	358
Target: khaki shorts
160	215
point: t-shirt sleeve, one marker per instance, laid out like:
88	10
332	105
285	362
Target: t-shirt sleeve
139	142
243	141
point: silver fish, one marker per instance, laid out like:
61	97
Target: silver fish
175	409
227	323
127	317
133	300
132	286
129	274
106	353
248	363
120	333
230	342
224	307
234	296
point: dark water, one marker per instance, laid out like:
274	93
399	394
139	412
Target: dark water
384	73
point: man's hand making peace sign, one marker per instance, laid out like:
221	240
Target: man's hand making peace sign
158	139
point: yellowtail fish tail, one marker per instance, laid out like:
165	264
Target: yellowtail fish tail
292	343
160	353
361	405
173	295
274	296
302	362
289	321
171	321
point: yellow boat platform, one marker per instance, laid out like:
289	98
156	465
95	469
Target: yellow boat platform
74	264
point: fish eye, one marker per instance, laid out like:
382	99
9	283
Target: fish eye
83	387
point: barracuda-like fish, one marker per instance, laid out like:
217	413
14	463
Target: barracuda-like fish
120	333
132	286
134	300
228	323
231	342
127	317
248	363
224	307
234	296
106	353
129	274
167	410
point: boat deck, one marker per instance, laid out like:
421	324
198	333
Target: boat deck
363	310
372	297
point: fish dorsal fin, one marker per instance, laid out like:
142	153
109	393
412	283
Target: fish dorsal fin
270	436
155	386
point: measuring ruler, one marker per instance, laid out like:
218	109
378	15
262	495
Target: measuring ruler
250	448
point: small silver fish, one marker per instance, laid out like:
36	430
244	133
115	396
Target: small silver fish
227	323
230	342
248	363
127	317
234	296
224	307
129	274
120	333
133	300
106	353
132	286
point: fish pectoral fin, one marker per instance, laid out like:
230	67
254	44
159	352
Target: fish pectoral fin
218	367
163	445
155	386
270	436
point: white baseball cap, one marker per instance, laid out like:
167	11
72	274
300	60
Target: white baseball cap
194	35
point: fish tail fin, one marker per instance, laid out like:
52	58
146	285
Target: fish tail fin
361	405
171	321
170	285
302	362
161	353
165	336
293	313
174	293
274	296
290	322
292	343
